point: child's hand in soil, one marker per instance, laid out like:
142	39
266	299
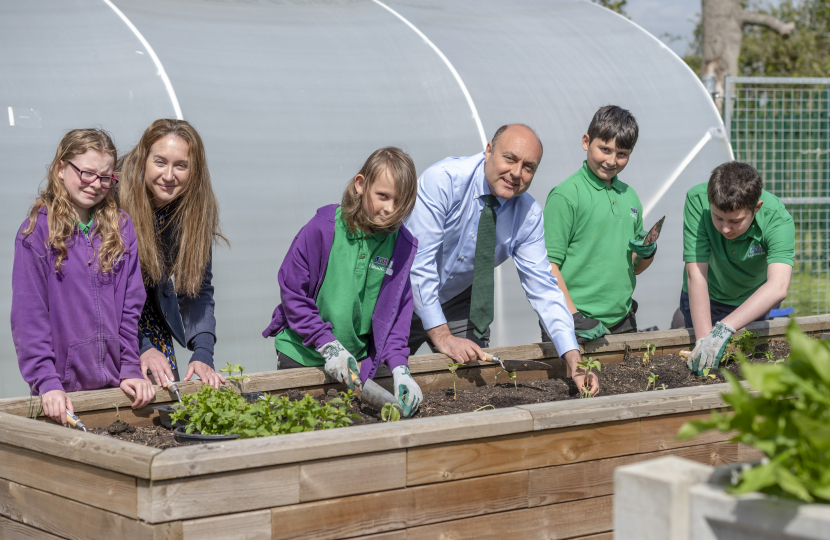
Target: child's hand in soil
55	405
407	391
140	389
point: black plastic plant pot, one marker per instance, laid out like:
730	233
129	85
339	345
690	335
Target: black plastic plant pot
165	411
183	437
253	396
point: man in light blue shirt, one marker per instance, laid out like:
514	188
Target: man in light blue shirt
452	195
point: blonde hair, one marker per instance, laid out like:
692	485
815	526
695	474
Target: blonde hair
59	211
400	167
195	220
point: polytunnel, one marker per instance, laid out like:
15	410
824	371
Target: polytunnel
292	96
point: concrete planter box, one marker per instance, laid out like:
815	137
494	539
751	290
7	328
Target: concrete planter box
535	471
678	499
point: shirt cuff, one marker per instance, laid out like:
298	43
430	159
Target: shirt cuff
432	316
396	361
50	384
564	342
203	348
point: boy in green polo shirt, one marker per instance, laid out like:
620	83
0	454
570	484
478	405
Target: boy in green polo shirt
739	247
594	231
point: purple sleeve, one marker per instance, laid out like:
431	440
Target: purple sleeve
31	330
398	338
134	297
294	278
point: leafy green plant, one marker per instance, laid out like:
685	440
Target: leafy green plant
786	416
453	367
512	375
662	387
768	355
221	411
230	369
652	381
588	365
706	373
745	344
391	412
651	350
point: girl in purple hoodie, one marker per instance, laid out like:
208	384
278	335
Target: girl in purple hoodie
77	291
344	283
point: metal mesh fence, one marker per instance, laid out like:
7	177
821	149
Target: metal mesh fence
781	127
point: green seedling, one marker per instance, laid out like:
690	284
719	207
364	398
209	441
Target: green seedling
237	380
784	412
391	412
453	367
587	366
512	375
117	414
222	411
484	407
651	350
745	344
652	381
768	355
662	387
707	374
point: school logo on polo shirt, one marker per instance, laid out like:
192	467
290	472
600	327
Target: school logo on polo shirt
755	251
379	263
634	213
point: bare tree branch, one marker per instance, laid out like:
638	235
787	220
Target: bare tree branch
762	19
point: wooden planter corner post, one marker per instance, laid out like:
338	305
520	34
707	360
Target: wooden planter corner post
543	468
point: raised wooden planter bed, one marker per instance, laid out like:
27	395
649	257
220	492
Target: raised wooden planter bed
533	471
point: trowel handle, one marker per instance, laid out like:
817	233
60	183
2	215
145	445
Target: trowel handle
356	379
74	421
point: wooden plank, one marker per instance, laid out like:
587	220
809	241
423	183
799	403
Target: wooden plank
749	453
563	483
218	457
394	510
601	536
217	494
92	485
104	452
661	433
392	535
626	406
444	462
564	520
72	520
338	477
246	526
107	398
143	417
12	530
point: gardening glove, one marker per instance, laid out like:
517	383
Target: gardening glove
709	350
643	252
407	391
587	329
340	364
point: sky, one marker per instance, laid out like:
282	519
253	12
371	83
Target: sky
675	17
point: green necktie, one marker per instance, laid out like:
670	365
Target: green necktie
481	301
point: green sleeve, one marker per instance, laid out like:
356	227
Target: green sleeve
696	246
559	217
641	232
781	239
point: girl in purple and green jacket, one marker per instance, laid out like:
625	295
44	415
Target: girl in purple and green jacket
77	290
344	283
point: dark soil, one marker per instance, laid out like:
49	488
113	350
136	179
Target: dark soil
629	377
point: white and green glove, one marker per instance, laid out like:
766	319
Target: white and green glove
340	364
407	391
709	350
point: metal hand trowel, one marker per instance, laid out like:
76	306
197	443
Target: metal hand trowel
654	233
518	365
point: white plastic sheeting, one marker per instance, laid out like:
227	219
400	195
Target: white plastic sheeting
291	97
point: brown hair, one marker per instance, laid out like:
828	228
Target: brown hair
612	122
734	186
195	220
399	166
59	207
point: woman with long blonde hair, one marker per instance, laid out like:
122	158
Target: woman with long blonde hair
165	187
77	292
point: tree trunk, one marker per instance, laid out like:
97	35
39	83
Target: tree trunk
723	28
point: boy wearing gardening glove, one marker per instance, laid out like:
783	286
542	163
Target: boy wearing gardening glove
594	231
739	247
340	364
407	391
